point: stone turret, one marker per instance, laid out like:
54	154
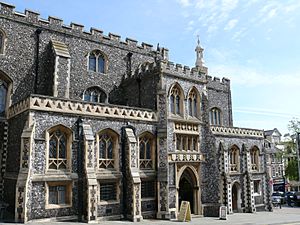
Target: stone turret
200	66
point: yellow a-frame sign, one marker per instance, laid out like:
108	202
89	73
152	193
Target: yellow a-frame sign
185	212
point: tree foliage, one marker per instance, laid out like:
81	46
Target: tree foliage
291	171
294	126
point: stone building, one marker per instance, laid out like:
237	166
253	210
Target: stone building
93	127
274	157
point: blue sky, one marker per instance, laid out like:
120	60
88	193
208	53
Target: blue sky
255	43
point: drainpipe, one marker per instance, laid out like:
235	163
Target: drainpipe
37	32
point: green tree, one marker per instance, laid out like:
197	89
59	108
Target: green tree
294	126
291	171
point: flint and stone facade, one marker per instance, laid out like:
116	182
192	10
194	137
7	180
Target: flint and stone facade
96	128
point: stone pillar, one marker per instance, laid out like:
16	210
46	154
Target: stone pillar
134	198
162	162
23	181
89	166
248	183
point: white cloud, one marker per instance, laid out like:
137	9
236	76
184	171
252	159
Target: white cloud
184	3
231	24
251	77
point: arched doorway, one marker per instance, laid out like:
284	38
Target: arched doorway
235	197
188	190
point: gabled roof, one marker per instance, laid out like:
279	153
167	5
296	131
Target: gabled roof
271	132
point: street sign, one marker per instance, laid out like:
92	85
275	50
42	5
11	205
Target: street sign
185	212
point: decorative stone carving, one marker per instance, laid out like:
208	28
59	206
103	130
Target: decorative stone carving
186	128
236	131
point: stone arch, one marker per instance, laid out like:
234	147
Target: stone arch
215	116
99	54
187	185
193	102
95	94
236	198
3	39
57	133
6	84
147	159
234	158
176	99
110	136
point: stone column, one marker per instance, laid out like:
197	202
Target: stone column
23	181
134	182
248	183
162	162
89	166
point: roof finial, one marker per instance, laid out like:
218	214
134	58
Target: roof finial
198	40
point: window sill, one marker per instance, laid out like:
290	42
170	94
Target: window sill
54	206
148	199
110	202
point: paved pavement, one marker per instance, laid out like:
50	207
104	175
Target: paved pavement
284	216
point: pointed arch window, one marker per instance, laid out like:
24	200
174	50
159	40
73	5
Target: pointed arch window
234	159
146	147
2	41
193	103
254	154
107	144
97	62
59	148
3	96
176	100
215	117
94	94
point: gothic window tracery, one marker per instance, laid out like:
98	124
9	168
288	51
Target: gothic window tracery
146	147
97	62
3	96
176	100
2	41
107	141
193	103
59	148
94	94
215	117
234	159
254	158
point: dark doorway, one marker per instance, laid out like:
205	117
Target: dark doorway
186	190
235	198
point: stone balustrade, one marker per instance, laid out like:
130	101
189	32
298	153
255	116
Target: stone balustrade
236	131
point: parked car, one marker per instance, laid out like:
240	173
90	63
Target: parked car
296	198
278	197
288	196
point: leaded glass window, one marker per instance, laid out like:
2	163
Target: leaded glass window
94	94
106	151
97	62
175	101
58	195
234	159
146	151
108	191
3	96
148	189
2	38
215	116
193	106
254	158
58	150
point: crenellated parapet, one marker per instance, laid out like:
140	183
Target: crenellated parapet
57	24
217	83
183	71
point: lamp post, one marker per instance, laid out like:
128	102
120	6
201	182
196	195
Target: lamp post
80	167
298	152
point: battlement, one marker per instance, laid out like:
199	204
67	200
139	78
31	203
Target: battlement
185	71
54	23
216	81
